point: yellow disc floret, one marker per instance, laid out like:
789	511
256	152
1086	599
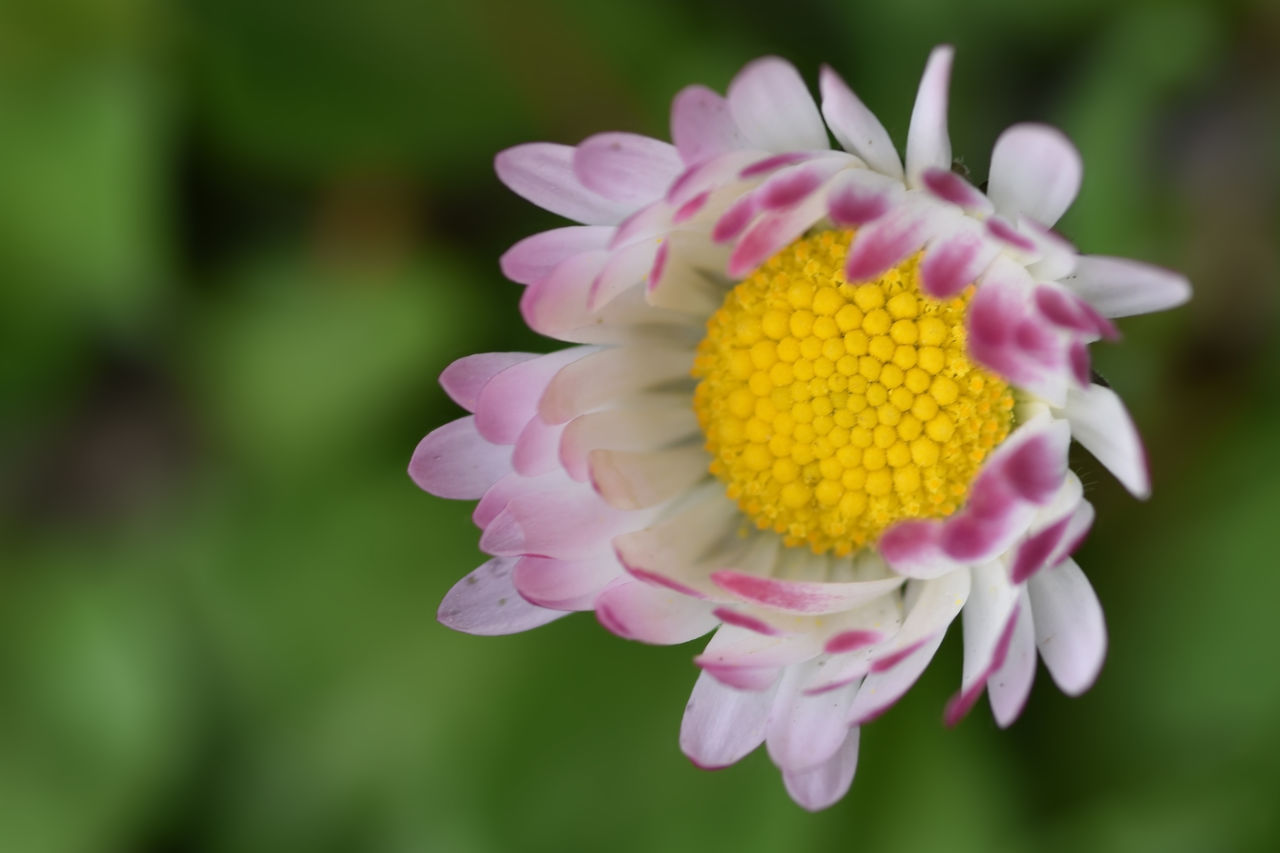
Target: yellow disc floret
833	410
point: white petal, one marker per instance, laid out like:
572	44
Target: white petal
819	787
1100	422
636	479
806	730
722	724
855	127
542	172
486	603
774	109
1070	631
882	688
1119	287
987	633
928	144
1035	172
1009	686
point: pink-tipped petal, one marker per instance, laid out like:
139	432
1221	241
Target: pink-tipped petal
626	167
928	144
883	687
953	262
1010	685
722	725
486	603
1035	172
542	172
773	108
855	127
854	201
736	219
729	616
947	186
1100	422
884	243
848	641
702	125
989	619
800	596
649	614
1119	287
533	258
464	379
455	462
1070	631
822	786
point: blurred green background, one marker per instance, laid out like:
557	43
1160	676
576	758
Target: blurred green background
238	242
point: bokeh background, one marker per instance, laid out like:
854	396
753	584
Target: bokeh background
240	239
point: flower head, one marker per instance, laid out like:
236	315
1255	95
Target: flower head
820	405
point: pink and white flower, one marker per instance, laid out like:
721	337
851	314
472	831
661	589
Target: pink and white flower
595	490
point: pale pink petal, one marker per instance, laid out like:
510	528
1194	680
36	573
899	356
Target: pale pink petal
537	449
509	400
641	611
773	108
650	422
1100	422
625	268
702	125
928	144
637	479
721	724
822	786
1035	172
626	167
556	523
454	461
855	127
564	584
542	172
464	379
486	603
1010	685
1070	632
1119	287
557	303
533	258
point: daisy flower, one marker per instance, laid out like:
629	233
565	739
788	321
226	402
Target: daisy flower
818	402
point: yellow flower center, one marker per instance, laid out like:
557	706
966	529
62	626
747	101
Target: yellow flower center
833	410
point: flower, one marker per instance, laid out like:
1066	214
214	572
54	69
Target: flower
820	404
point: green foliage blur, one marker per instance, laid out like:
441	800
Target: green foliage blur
239	241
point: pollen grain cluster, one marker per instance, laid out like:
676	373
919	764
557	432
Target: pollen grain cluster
833	410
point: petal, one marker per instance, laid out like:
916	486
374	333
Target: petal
801	597
928	144
954	261
646	423
721	724
1119	287
533	258
885	686
947	186
702	125
855	127
486	603
536	450
1070	631
1100	422
856	198
564	584
885	242
542	172
567	524
609	375
641	611
454	461
773	108
822	786
1035	172
464	379
989	619
1010	685
806	730
637	479
626	167
509	400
